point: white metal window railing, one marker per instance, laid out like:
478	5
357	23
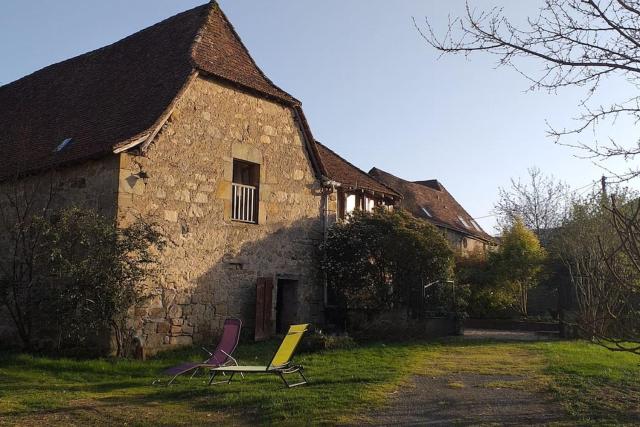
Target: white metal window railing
244	198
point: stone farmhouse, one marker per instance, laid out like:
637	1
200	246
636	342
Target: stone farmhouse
431	201
178	125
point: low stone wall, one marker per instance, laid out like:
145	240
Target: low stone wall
395	326
512	325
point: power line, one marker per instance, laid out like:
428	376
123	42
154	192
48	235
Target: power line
485	216
576	191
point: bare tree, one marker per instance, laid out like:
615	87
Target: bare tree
626	320
594	245
540	202
22	204
580	43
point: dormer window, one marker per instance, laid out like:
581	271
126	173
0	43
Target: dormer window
62	145
463	222
426	212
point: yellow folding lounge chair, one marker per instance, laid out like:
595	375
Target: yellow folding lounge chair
280	364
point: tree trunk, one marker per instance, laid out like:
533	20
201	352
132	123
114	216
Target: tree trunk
524	289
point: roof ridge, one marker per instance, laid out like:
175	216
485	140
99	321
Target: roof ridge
213	6
433	184
374	169
198	36
421	189
235	33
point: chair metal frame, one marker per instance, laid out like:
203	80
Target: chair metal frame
231	361
281	371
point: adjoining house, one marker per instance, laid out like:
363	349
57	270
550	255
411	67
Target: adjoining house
431	201
177	124
353	188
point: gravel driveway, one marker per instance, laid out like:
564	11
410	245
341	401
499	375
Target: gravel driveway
469	398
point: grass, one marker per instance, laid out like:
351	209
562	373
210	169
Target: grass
593	384
38	389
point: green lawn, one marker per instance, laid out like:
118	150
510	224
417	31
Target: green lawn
593	384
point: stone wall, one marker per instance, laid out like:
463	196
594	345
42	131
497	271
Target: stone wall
91	185
464	245
397	325
209	269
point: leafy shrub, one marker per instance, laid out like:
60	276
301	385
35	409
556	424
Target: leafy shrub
519	262
98	270
499	282
87	274
485	297
491	302
378	260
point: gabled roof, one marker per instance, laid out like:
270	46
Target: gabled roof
118	94
349	176
429	200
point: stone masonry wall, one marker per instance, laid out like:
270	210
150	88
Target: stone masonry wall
457	243
91	185
210	266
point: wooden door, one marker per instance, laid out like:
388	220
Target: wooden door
264	290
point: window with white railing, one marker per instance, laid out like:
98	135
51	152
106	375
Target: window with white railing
245	191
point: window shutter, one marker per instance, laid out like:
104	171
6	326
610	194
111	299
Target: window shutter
264	291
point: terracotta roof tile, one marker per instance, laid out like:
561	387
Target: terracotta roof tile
340	170
431	201
119	93
218	50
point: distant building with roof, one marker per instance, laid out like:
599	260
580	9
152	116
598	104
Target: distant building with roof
431	201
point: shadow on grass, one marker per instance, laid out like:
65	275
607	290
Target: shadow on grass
340	379
342	382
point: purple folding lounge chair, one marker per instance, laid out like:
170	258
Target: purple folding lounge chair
222	356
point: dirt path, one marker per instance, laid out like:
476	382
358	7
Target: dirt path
476	385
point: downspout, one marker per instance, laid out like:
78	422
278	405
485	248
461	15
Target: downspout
321	173
328	187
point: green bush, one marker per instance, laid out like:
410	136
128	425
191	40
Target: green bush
376	261
518	263
84	275
499	282
486	296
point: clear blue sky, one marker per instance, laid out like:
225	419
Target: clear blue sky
370	86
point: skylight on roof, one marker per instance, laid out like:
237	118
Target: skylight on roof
62	145
475	225
463	221
426	211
